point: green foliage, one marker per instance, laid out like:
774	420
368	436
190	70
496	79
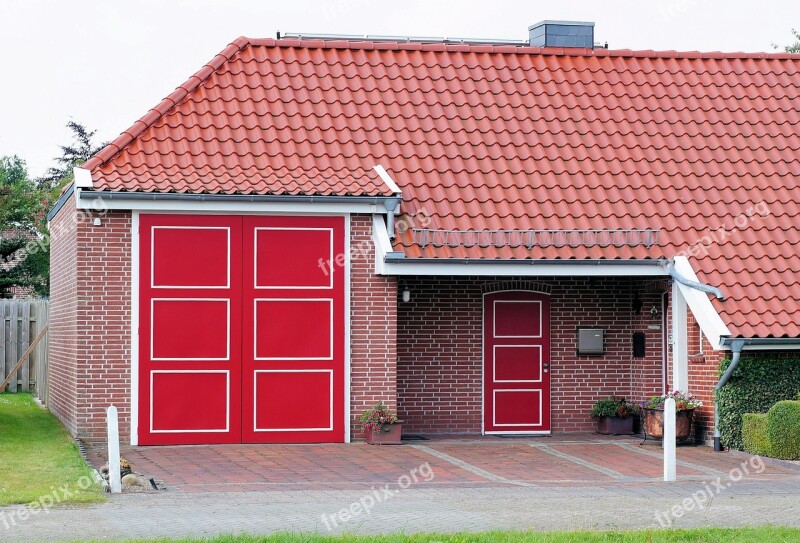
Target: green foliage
74	154
756	385
754	433
21	226
793	48
783	430
24	247
762	534
376	417
613	407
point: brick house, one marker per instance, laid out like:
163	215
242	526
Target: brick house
475	233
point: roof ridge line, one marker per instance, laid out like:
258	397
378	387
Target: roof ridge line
344	43
162	108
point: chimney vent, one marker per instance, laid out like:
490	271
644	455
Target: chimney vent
562	34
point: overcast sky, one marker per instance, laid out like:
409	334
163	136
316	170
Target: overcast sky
105	63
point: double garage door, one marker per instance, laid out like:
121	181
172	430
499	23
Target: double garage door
241	329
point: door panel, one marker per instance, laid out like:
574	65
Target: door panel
293	331
189	329
516	362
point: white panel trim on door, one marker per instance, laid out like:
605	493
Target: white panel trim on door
494	364
331	265
227	335
227	403
256	301
506	390
135	265
494	317
255	402
153	256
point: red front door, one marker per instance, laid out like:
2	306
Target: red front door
516	357
241	329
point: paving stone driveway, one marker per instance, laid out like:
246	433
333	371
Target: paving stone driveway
486	484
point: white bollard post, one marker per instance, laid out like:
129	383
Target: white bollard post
669	441
113	450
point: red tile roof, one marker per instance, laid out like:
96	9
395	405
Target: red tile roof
503	137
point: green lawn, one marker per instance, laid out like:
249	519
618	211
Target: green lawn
705	535
39	458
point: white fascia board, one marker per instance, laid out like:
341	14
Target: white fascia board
387	179
243	208
704	313
532	270
83	177
383	245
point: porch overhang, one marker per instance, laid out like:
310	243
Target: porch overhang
684	294
390	262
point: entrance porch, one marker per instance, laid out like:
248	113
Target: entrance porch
444	368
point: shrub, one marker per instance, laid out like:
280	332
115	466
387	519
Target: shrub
783	430
756	385
754	433
613	407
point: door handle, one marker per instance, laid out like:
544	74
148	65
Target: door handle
546	368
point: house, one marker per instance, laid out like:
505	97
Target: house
486	236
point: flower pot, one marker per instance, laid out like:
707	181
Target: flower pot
389	434
653	423
615	426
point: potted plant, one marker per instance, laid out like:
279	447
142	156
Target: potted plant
381	426
653	414
614	416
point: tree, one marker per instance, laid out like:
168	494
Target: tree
21	216
74	154
795	47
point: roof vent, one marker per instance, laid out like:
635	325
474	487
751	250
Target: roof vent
561	34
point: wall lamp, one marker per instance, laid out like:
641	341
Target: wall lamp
406	292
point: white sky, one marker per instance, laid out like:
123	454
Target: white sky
106	63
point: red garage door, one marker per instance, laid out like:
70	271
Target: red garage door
241	334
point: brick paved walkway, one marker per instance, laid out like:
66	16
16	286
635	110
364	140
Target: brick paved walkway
475	485
583	459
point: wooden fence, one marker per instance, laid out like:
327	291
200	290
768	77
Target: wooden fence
21	320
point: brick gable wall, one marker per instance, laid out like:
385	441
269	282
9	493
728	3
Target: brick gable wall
63	332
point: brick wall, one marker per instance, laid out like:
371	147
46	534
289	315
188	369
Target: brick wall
439	349
63	333
104	313
373	327
703	376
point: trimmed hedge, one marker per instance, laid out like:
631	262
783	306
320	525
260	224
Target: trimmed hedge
783	430
755	386
754	433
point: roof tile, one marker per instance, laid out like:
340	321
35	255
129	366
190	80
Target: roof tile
503	137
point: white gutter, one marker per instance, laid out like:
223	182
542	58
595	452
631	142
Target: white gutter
231	203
